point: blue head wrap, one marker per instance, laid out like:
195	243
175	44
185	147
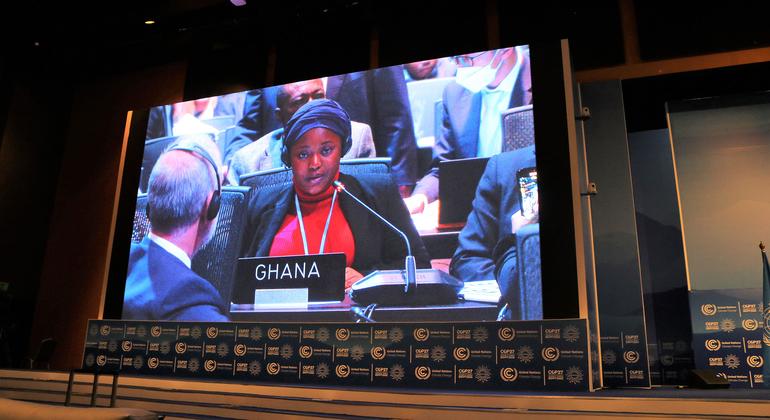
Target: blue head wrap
323	113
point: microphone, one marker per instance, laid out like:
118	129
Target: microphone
399	287
410	263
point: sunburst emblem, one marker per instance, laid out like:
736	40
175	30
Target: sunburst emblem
727	325
255	368
165	347
223	349
482	374
609	357
255	333
526	354
357	353
732	361
138	362
193	365
438	354
480	334
287	351
112	346
141	331
322	335
396	334
322	370
570	333
90	359
574	375
195	332
397	372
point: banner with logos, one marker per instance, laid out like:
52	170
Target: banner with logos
727	334
518	355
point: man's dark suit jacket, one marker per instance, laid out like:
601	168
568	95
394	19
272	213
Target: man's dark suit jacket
376	246
461	119
159	286
489	222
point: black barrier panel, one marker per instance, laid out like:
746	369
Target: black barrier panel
519	355
727	334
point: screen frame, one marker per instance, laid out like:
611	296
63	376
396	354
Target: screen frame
559	263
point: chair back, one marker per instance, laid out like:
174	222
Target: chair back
530	282
518	128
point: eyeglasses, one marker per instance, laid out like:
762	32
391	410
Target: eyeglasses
467	59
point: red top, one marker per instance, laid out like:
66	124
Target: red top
315	209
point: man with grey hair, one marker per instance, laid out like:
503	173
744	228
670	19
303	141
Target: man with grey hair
182	207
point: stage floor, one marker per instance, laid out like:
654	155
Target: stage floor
207	399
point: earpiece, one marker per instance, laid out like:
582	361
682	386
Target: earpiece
216	198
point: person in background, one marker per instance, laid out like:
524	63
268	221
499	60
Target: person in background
429	69
265	153
160	283
487	84
310	216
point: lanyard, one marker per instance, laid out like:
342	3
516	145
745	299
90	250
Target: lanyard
302	224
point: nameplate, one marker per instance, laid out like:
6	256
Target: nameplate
323	275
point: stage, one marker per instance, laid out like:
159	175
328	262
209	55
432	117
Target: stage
209	399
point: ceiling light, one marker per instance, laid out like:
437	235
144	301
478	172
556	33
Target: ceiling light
149	22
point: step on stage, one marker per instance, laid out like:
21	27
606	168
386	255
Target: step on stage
197	399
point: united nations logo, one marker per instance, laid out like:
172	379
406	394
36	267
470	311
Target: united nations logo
255	333
378	353
155	331
721	375
438	354
461	353
165	347
708	309
90	359
421	334
755	361
153	362
396	334
255	368
750	324
274	333
506	333
357	353
342	371
105	330
609	357
631	356
509	374
240	349
482	374
287	351
210	365
713	344
273	368
305	352
212	332
126	345
181	347
112	346
480	334
322	335
141	331
422	373
570	333
223	349
322	370
727	325
574	375
526	354
732	361
195	332
93	330
101	360
342	334
138	362
193	365
667	360
397	372
550	354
